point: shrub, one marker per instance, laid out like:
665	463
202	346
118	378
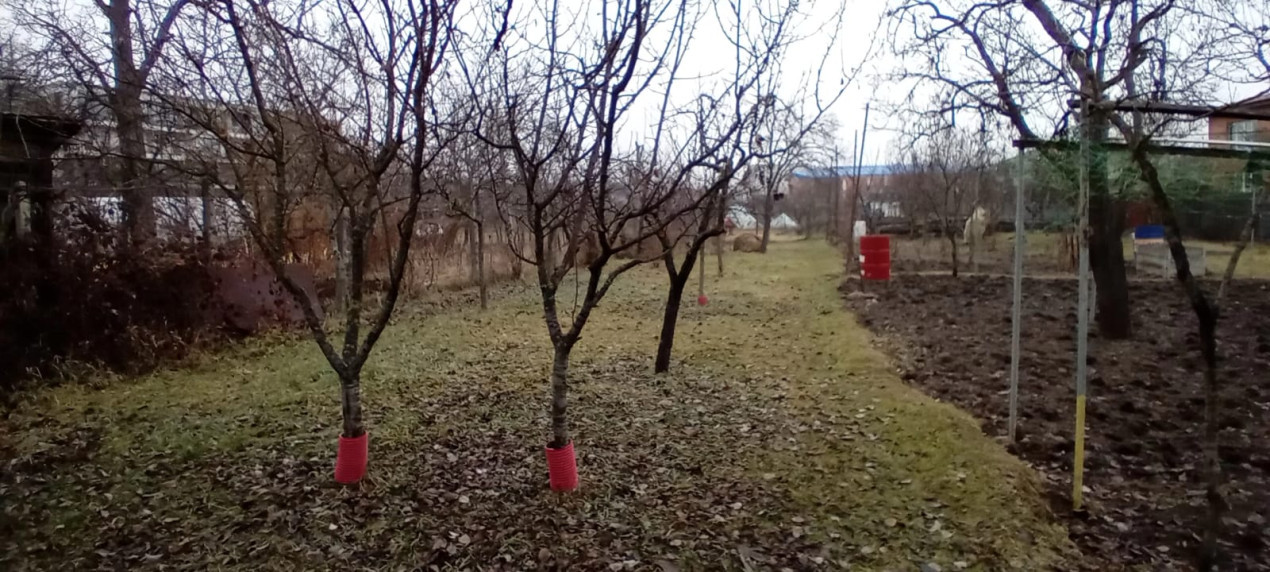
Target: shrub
85	299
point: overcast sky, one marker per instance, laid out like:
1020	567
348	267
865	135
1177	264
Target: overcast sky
834	39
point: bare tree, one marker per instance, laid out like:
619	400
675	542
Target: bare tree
1023	77
815	184
468	177
786	141
1245	26
114	72
1137	132
1103	54
554	105
266	80
554	100
727	131
944	165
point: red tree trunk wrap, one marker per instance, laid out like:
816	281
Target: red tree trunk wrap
562	466
702	300
350	462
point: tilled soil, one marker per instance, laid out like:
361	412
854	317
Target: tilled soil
1144	469
930	254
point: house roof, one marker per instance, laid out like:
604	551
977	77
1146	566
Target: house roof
784	222
33	136
741	217
1259	101
846	171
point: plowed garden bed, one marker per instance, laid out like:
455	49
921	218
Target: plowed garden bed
951	338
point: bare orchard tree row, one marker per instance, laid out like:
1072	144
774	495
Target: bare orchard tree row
572	128
945	176
555	99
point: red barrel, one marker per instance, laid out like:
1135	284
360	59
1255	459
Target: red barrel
875	257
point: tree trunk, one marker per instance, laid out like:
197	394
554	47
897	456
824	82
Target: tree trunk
831	229
852	260
769	204
560	395
1245	237
138	207
125	103
341	260
718	252
351	405
952	239
278	199
1212	434
670	316
1106	253
469	234
480	264
1106	259
516	239
205	194
1207	315
701	271
279	216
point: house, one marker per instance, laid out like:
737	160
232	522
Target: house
193	148
739	217
784	222
876	185
1251	124
1225	128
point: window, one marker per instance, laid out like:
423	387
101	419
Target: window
1243	130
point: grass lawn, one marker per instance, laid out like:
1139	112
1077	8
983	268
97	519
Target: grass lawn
1253	263
1045	255
781	439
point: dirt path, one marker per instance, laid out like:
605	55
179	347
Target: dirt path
782	439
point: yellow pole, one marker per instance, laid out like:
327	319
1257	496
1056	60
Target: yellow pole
1078	470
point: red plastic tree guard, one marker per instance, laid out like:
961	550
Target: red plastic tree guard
702	300
350	462
562	467
875	257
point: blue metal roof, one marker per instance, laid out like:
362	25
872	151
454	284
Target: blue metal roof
846	171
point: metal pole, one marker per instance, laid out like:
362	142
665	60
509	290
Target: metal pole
1016	318
1252	237
836	197
855	198
974	232
1082	314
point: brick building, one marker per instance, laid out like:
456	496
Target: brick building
1251	130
